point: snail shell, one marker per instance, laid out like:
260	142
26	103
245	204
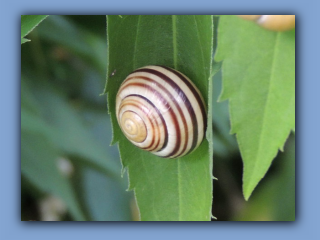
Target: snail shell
273	22
160	110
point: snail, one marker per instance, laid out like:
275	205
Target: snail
161	111
273	22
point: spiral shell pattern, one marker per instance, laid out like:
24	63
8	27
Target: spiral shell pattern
160	110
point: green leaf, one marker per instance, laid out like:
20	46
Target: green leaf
259	81
165	189
28	23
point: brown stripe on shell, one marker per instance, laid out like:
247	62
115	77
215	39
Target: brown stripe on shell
164	85
139	116
165	143
162	119
186	101
184	121
152	126
198	98
156	128
172	114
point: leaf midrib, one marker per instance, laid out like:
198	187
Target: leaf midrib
136	43
265	110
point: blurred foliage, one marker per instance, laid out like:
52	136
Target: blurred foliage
65	128
69	171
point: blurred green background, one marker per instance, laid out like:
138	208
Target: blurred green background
68	170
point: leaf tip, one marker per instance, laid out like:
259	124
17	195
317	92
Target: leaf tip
246	196
248	189
248	186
